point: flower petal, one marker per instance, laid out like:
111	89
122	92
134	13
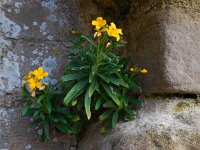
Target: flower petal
38	85
40	70
99	19
45	74
113	25
35	72
32	86
94	23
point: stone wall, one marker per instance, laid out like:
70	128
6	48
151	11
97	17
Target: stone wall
163	124
33	33
162	36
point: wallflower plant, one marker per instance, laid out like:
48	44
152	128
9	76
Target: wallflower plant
99	78
95	87
44	104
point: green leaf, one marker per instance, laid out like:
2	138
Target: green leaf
61	118
73	117
37	112
134	85
66	113
105	115
61	110
43	136
70	77
115	118
136	102
111	93
74	91
42	115
53	118
79	68
89	40
26	108
114	80
93	86
108	104
98	104
46	127
91	77
40	98
94	69
129	117
48	105
87	105
65	127
30	112
92	74
118	82
129	111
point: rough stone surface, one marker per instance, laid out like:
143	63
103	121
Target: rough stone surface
33	33
165	41
14	135
163	124
162	36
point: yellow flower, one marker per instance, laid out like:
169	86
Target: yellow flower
40	73
132	69
114	32
34	83
33	80
143	71
98	23
99	33
30	75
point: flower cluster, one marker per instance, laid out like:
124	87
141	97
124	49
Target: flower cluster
101	26
34	80
135	69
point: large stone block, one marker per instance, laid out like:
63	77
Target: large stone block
163	124
165	41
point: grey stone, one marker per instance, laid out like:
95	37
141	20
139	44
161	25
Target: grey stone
14	134
165	41
32	33
29	39
163	124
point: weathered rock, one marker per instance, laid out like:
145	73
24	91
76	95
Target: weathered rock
163	124
165	41
14	135
32	34
162	36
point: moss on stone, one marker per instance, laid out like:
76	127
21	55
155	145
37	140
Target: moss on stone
181	106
